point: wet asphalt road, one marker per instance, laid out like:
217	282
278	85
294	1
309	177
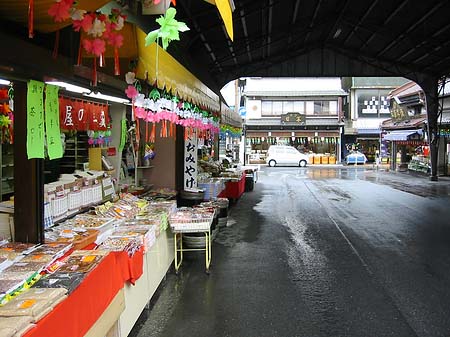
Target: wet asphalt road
319	252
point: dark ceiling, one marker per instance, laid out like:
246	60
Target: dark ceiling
301	38
319	38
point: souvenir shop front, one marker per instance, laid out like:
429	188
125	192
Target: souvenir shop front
321	144
90	230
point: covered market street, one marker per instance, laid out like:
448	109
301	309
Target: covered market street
318	252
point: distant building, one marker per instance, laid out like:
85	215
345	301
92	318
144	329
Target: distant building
365	108
303	112
405	134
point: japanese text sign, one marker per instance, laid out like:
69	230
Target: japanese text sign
190	162
54	144
35	120
81	115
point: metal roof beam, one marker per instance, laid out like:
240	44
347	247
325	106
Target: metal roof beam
424	42
388	19
372	6
294	19
423	18
201	35
311	23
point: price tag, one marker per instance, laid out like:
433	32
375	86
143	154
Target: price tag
26	304
88	258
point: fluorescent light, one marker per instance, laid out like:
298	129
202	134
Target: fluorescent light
4	82
70	87
107	97
337	33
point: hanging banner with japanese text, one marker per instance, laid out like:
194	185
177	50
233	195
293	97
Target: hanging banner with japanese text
190	162
54	144
82	115
35	120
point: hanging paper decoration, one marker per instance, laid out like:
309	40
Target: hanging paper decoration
6	116
101	30
168	31
82	115
30	19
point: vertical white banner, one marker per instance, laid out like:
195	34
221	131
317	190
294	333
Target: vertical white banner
190	162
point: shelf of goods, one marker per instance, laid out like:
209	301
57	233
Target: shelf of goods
6	169
192	220
106	289
234	188
419	164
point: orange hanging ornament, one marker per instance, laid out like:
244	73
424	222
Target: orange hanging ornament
30	19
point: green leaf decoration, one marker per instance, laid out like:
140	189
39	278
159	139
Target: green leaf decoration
4	121
154	94
168	31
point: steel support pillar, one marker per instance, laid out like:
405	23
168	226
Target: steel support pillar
430	87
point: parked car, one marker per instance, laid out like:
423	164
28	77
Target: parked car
355	157
285	155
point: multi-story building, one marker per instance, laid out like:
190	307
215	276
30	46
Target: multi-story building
302	112
405	135
365	108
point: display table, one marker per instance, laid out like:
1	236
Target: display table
79	314
233	189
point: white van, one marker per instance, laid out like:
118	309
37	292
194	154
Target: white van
285	155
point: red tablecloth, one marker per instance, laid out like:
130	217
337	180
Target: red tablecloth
74	316
233	190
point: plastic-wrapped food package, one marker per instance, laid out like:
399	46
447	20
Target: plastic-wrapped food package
12	250
55	249
52	294
80	264
35	303
26	307
15	326
21	266
68	281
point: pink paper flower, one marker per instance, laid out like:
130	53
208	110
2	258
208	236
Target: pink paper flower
140	112
61	10
98	47
91	141
115	40
131	92
85	23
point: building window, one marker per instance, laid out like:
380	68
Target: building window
277	107
321	107
288	106
266	108
299	107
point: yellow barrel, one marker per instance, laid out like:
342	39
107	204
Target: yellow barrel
324	159
316	159
332	160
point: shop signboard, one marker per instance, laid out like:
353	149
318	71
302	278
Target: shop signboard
82	115
190	162
293	118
